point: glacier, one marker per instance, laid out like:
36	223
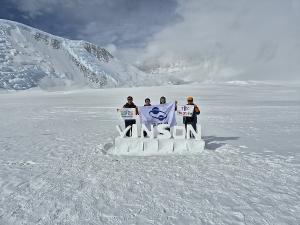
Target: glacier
33	58
55	166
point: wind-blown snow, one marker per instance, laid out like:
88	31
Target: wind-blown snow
30	58
54	166
223	40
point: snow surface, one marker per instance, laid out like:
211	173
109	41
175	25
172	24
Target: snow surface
54	166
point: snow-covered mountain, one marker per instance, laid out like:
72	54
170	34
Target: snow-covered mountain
189	69
31	58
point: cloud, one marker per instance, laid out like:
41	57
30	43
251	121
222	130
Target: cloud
257	39
36	8
206	39
123	23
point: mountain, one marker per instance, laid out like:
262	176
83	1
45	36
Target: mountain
33	58
189	69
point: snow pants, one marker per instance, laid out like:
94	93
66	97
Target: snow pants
129	123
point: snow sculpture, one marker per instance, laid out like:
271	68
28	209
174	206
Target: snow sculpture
159	141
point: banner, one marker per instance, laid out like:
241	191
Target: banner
185	110
128	113
158	114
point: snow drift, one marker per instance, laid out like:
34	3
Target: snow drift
30	58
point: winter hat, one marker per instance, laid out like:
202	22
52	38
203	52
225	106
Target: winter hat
190	98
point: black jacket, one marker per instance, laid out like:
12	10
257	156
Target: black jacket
193	118
131	106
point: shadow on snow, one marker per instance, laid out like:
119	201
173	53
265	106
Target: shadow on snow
213	142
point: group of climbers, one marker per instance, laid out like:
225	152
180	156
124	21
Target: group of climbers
192	120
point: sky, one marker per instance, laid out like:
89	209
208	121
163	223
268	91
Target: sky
123	23
234	39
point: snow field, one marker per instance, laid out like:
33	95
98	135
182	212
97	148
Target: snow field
54	166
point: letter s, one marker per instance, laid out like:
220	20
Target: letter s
162	132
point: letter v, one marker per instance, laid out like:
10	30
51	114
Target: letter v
122	133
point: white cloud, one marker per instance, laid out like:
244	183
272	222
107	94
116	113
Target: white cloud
257	39
210	39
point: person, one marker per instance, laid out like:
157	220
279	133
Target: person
193	119
162	100
147	103
130	122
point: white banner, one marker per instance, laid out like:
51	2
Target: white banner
185	110
158	114
128	113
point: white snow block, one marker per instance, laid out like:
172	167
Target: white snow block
128	146
150	146
165	146
194	146
154	146
180	146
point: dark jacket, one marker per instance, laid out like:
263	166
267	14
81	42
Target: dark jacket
193	118
131	106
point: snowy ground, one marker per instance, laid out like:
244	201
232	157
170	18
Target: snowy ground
54	168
